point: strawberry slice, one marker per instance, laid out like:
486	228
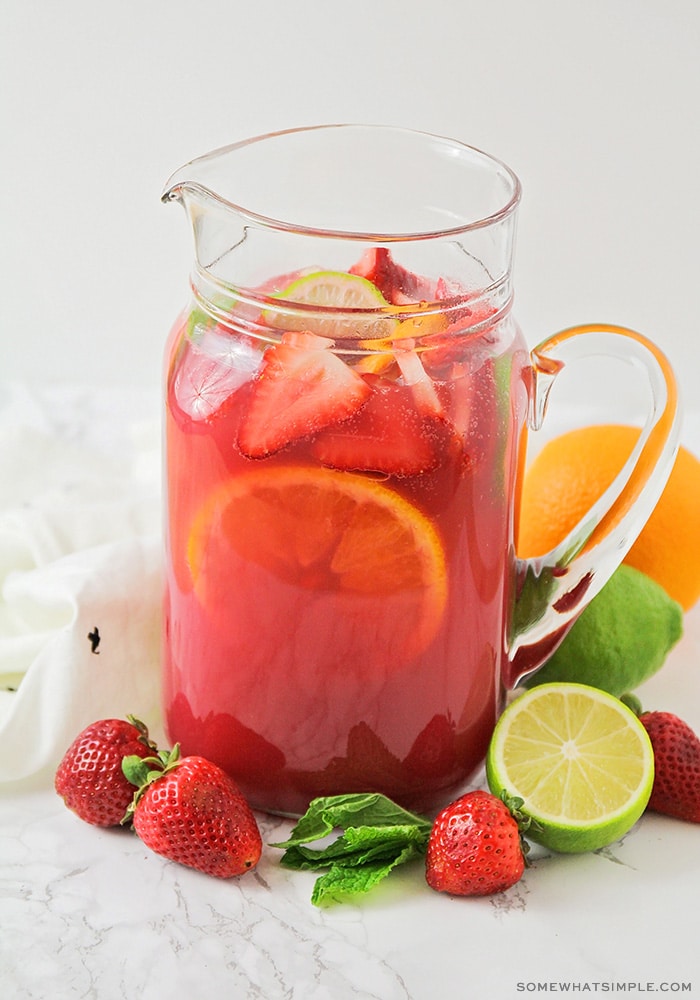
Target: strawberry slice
301	388
388	434
396	284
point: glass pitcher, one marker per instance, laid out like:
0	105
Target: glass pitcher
347	400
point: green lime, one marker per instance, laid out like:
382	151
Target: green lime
579	759
323	291
620	639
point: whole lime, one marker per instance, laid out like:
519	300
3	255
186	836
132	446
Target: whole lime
620	639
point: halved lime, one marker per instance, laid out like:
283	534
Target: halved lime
579	759
335	305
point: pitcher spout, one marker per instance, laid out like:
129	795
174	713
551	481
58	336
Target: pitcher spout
216	226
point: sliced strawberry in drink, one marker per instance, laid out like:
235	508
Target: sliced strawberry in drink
301	387
389	434
396	284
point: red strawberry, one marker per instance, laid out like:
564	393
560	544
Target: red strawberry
301	388
396	284
90	777
387	435
189	810
474	847
676	789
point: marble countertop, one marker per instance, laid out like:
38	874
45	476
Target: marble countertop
89	913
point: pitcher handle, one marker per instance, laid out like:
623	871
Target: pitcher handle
553	589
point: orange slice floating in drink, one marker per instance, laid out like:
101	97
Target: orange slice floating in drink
328	533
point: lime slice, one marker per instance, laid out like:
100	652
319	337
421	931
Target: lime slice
579	759
328	300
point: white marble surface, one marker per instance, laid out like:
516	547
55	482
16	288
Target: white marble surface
87	913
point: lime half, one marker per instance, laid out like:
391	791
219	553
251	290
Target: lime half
579	759
335	305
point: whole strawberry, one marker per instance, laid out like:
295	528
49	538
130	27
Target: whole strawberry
188	810
474	848
90	777
676	789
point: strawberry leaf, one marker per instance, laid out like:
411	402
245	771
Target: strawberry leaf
137	770
143	771
377	836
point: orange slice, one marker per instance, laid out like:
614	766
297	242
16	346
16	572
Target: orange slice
330	532
404	335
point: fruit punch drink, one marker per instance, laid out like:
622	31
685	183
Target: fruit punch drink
341	532
347	395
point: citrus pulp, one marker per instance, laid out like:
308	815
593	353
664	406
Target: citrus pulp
579	759
333	531
322	291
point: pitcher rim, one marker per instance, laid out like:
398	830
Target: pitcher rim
173	189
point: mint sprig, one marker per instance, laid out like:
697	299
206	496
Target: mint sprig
378	836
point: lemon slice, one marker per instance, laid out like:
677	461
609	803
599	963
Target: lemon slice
332	305
579	759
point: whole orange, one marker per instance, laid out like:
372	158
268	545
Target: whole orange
574	469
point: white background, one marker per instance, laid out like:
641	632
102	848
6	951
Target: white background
594	103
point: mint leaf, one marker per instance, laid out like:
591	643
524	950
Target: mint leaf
356	809
378	836
339	883
357	846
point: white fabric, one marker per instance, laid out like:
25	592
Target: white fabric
80	518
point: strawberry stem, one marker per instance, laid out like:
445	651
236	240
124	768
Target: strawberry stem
515	804
143	771
143	730
632	701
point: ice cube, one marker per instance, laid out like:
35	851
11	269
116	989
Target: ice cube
215	364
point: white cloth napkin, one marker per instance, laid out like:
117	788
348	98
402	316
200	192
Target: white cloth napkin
80	556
